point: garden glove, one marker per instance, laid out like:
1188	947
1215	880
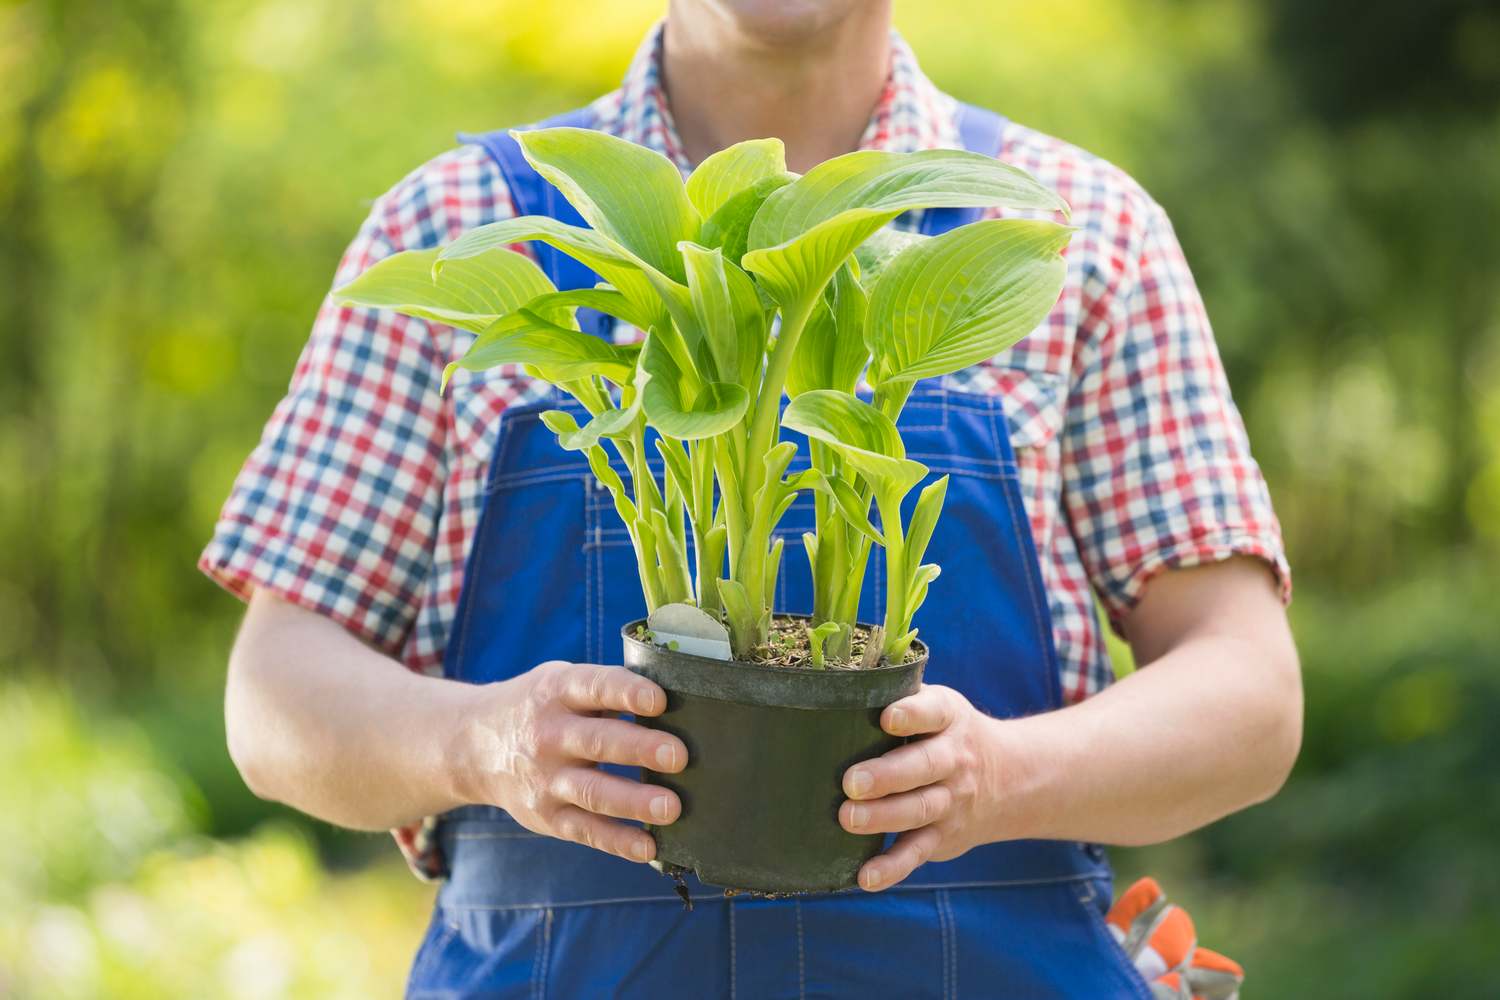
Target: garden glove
1160	939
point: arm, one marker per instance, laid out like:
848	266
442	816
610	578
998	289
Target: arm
1210	724
321	722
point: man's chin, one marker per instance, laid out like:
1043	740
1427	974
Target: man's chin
790	22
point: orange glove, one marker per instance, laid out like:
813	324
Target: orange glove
1160	939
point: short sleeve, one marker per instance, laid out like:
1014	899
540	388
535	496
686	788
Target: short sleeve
1157	470
336	508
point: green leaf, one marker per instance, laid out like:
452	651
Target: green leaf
629	193
855	511
804	231
782	506
845	498
965	296
775	463
895	649
679	471
866	438
602	299
711	566
831	353
922	579
678	408
810	543
773	569
744	618
610	423
730	319
470	295
729	228
623	270
817	636
606	474
559	354
924	519
671	555
730	171
880	249
796	271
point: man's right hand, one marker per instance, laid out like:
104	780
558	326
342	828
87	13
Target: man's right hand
324	723
531	745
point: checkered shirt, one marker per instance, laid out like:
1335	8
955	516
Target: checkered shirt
361	500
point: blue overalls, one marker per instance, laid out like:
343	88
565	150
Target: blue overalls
551	575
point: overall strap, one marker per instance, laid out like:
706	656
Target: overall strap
532	194
981	132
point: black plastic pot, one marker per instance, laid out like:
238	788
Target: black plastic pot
767	750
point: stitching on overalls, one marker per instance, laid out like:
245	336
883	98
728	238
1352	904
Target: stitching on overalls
711	900
590	526
546	956
927	402
477	550
801	956
733	959
945	929
535	477
599	583
942	922
536	961
508	422
952	942
1036	616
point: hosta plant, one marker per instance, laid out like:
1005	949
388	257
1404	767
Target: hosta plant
753	285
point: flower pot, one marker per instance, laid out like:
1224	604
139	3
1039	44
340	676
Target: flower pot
767	750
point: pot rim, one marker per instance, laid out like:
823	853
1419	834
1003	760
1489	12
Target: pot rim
921	647
772	686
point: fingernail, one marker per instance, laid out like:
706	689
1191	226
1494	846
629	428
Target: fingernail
898	718
666	757
860	782
661	808
869	878
640	850
645	702
858	816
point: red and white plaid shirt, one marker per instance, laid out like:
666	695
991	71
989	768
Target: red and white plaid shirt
361	500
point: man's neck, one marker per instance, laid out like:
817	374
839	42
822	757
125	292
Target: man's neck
814	93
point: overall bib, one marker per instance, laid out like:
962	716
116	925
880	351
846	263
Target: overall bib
552	576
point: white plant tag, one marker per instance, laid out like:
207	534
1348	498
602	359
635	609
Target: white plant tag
689	630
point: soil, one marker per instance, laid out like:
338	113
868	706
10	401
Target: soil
788	646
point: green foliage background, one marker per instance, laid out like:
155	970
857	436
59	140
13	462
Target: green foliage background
177	179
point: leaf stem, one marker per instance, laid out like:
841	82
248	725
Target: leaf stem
768	403
897	617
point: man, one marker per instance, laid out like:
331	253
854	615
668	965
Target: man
352	532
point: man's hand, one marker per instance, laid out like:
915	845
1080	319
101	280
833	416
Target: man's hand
1209	724
532	743
931	791
320	721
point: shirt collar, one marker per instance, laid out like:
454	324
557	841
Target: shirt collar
912	112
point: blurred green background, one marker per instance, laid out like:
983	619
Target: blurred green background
178	178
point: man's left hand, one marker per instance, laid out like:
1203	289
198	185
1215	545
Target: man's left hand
932	791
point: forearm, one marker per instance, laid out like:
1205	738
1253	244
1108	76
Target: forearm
1210	724
319	721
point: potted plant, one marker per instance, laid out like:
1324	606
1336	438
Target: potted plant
766	298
